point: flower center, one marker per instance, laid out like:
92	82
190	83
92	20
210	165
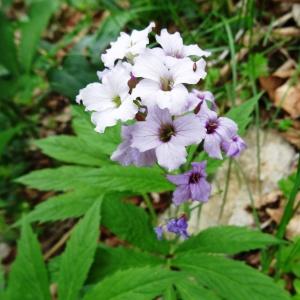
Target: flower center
117	100
194	178
166	84
166	132
211	126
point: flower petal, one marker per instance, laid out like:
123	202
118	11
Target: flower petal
181	194
104	119
212	145
189	130
179	179
170	156
201	190
195	50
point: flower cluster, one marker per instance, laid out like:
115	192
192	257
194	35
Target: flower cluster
177	225
150	90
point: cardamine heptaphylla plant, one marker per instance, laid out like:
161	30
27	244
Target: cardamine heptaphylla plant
150	90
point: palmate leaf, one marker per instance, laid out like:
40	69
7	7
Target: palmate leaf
28	277
105	143
72	149
113	178
228	240
190	289
127	221
229	279
139	283
78	256
109	260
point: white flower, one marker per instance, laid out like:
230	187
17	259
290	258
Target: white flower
163	83
127	46
172	46
110	100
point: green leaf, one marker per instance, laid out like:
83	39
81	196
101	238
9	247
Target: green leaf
79	254
106	142
140	283
132	224
242	113
228	240
6	136
113	178
28	277
129	222
229	279
72	149
39	15
190	289
8	52
170	294
110	260
68	80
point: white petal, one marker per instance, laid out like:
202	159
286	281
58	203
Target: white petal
116	80
174	100
146	89
104	119
95	97
159	116
187	71
117	50
170	156
171	43
149	66
189	130
127	110
195	50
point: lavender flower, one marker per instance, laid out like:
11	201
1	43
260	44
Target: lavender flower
197	100
234	146
218	129
159	232
126	155
191	184
168	137
178	226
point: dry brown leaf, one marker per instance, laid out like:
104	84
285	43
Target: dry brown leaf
296	13
275	213
269	198
270	84
288	98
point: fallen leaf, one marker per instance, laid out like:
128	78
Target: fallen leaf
288	98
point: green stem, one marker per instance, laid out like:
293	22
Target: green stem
289	208
151	208
226	189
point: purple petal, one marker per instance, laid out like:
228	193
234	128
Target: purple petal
181	194
212	145
201	190
179	179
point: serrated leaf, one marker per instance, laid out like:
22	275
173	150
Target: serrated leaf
28	277
79	254
106	142
229	279
72	149
39	15
110	260
242	114
190	289
228	240
113	178
140	283
132	224
129	222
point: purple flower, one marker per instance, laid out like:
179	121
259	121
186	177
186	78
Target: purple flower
126	155
218	129
197	100
159	232
178	226
167	136
234	146
191	184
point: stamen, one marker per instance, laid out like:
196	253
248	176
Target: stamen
166	132
211	126
117	100
194	178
